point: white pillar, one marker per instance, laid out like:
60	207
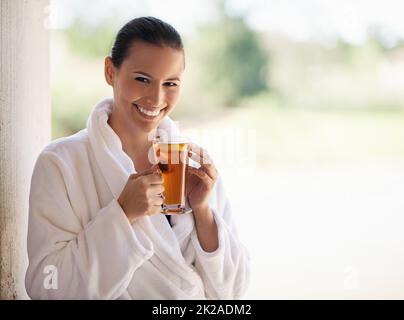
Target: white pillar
25	122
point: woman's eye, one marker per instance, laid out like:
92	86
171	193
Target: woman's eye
141	79
170	84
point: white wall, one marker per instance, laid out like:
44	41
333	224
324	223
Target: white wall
25	122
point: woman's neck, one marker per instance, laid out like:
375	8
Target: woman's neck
135	142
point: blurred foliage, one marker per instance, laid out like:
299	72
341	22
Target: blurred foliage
77	83
336	76
235	64
91	41
314	137
330	99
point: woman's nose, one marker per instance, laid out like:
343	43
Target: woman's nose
155	97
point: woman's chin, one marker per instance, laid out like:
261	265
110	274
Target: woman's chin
148	126
148	123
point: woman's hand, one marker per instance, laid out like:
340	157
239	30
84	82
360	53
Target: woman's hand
201	181
142	194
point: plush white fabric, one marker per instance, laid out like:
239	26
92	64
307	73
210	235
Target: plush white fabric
77	225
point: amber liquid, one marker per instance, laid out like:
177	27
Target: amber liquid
173	159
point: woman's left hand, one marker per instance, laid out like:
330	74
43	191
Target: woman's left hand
200	181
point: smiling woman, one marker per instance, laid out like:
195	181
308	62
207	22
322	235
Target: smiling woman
96	199
148	94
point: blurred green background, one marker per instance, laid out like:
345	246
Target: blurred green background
321	82
320	98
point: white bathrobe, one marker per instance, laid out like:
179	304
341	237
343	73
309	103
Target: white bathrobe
78	230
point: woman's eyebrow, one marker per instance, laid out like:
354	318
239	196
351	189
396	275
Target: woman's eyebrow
147	75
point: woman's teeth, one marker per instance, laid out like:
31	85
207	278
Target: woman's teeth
147	112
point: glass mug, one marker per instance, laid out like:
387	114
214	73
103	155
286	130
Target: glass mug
171	154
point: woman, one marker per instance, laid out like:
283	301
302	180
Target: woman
95	227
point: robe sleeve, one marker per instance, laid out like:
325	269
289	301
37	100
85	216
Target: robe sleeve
225	271
71	259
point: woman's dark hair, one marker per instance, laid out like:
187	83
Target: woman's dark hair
147	29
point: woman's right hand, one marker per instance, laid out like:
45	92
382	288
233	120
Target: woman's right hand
141	195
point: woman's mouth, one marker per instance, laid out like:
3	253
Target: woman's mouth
147	114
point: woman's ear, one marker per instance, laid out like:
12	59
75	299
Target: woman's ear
109	71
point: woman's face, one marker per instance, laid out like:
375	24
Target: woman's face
146	86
